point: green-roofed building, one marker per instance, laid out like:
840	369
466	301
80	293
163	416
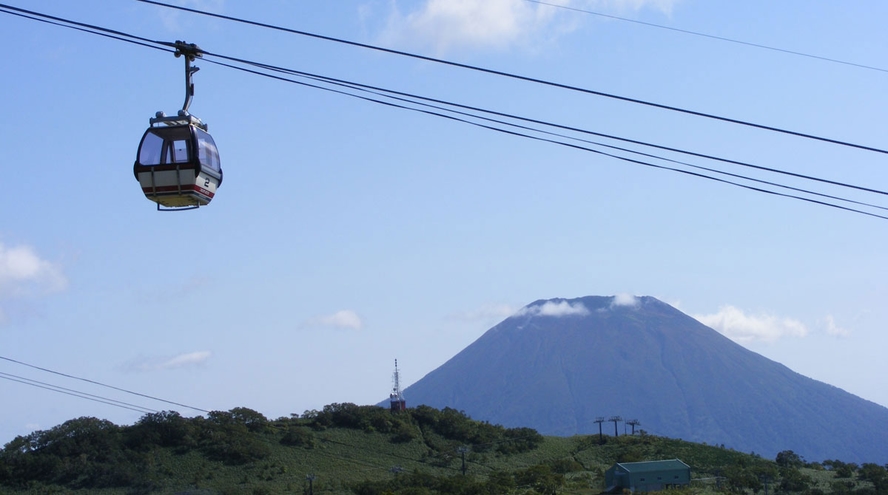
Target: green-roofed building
647	476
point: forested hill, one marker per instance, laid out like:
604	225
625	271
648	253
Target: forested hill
365	450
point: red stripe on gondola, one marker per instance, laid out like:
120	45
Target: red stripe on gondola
170	190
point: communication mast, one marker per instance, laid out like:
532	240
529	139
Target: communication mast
396	398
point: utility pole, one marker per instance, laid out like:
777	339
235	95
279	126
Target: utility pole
310	478
615	419
462	450
766	479
599	420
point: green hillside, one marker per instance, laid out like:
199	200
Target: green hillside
367	450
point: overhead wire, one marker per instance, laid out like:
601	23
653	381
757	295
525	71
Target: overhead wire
709	36
145	42
519	134
357	86
521	77
86	380
408	97
76	393
119	35
78	26
583	148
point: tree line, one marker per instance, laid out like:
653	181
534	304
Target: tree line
88	452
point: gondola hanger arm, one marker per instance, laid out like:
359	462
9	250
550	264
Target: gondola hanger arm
190	52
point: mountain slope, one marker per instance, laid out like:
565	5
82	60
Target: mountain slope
558	364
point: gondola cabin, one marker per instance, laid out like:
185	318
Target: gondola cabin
177	164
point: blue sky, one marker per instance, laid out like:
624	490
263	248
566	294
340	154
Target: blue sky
348	234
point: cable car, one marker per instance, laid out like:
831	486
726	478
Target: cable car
177	163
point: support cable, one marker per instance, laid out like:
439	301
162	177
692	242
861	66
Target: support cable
145	42
522	78
355	86
101	384
709	36
574	146
387	93
76	393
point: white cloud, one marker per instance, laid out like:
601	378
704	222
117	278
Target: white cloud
445	25
549	308
495	24
23	272
835	330
624	300
186	360
346	319
741	327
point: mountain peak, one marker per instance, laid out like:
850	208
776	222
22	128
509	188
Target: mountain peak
557	364
583	306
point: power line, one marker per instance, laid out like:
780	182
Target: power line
145	42
76	393
710	36
638	162
522	78
583	148
408	96
102	384
79	26
520	134
356	86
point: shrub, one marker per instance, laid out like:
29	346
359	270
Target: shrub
298	436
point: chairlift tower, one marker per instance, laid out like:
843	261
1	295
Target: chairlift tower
396	398
633	423
615	419
599	420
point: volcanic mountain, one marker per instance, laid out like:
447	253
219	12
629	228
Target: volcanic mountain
557	365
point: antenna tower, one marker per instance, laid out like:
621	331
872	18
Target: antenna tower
396	398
